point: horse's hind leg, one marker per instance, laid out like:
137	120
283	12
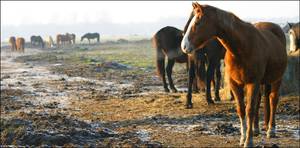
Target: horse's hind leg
217	86
267	91
169	74
274	98
256	116
160	68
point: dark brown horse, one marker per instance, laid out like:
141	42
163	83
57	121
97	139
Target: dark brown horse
253	56
213	52
90	36
167	44
37	40
20	44
12	42
277	31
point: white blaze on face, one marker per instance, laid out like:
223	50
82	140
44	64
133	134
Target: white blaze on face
185	43
292	40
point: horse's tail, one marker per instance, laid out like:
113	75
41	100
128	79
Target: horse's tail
160	58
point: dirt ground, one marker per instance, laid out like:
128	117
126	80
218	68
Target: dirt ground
109	96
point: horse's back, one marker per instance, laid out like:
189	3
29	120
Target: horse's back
274	28
168	38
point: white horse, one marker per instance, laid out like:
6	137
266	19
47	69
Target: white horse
49	41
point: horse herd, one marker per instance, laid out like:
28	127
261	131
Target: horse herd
61	40
254	55
255	59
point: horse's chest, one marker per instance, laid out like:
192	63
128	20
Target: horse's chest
240	71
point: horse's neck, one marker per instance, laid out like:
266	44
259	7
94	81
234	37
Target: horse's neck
232	33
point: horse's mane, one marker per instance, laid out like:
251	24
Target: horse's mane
228	18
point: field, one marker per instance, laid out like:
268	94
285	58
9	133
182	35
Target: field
108	95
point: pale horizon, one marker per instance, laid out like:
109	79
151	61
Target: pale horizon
126	17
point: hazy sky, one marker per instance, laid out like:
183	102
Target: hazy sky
68	12
17	14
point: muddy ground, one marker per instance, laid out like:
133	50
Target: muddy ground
109	95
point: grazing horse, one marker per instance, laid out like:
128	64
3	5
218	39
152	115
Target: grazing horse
37	40
12	42
49	41
62	40
20	44
72	37
91	36
294	34
253	56
214	52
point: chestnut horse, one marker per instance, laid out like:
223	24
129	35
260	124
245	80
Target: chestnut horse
62	40
20	44
12	42
253	56
214	52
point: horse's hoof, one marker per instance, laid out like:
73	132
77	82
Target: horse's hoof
248	143
174	90
256	132
210	102
167	90
189	106
242	140
217	99
271	134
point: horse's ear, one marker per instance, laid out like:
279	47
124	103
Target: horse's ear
197	5
194	5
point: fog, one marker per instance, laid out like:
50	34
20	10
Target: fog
124	18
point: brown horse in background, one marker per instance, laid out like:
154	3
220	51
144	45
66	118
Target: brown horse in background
20	44
62	40
12	42
253	56
72	37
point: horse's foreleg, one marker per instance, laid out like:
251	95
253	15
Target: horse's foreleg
217	86
274	98
252	96
209	76
238	93
191	77
160	68
169	74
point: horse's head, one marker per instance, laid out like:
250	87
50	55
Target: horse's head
200	28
